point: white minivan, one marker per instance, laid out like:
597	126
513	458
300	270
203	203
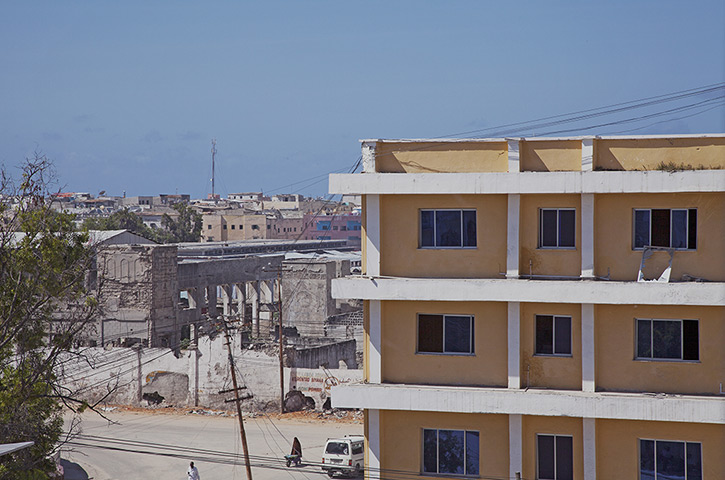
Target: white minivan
344	456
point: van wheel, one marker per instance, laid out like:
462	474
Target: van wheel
358	471
330	474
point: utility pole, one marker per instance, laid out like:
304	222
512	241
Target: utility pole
213	155
281	334
281	352
237	400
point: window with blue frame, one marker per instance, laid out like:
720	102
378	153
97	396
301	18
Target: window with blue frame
353	225
323	225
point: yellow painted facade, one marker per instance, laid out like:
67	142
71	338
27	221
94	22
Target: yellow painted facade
618	445
402	437
618	370
550	156
613	236
598	383
400	226
648	153
535	260
550	371
532	426
402	364
422	157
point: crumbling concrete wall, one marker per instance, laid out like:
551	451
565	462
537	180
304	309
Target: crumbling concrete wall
328	356
122	375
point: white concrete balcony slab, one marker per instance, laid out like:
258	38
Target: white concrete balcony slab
529	182
621	406
540	291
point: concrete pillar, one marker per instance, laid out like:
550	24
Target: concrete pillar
587	154
512	236
372	469
375	348
193	356
240	294
226	300
587	243
139	374
368	157
514	344
372	235
588	367
590	448
211	301
515	447
513	156
253	291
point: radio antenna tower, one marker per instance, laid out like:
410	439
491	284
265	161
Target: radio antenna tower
213	155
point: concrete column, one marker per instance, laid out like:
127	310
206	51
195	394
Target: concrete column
588	370
514	344
515	448
587	243
368	157
139	374
590	448
240	294
372	469
587	154
211	301
375	349
253	291
513	148
512	236
193	368
226	300
372	235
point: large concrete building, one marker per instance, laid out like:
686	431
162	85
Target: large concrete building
549	308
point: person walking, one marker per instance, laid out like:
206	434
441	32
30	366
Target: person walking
192	472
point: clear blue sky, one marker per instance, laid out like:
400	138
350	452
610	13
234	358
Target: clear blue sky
127	95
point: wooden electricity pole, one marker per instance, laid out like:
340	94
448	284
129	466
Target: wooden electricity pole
281	350
237	400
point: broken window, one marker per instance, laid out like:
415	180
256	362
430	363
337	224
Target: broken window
557	227
664	459
555	459
659	339
669	228
445	334
447	228
553	335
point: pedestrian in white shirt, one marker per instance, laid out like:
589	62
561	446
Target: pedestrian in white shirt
192	472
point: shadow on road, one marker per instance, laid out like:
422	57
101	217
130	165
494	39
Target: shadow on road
73	471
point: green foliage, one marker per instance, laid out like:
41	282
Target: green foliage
44	262
186	227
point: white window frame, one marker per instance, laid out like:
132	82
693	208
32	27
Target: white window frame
558	240
471	336
682	340
649	239
555	435
639	449
435	228
438	466
553	336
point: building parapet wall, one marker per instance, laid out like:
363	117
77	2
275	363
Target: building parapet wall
529	182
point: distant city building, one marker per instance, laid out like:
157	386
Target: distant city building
333	227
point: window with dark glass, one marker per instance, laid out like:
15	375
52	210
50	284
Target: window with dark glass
554	456
557	228
669	228
450	452
553	335
445	333
448	228
664	339
669	460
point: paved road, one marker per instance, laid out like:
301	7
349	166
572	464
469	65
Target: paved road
170	441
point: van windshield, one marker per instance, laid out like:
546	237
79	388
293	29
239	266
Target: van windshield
336	448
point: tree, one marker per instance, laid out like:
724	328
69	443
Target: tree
186	227
46	301
120	220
